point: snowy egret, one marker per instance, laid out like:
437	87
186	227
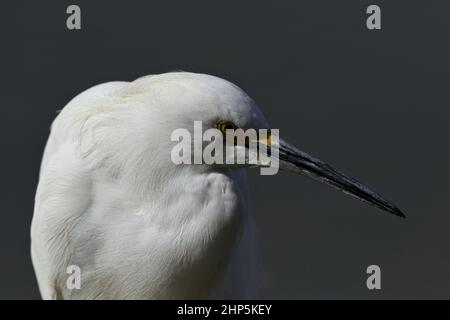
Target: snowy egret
138	226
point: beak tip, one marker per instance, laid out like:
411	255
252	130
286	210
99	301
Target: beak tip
396	211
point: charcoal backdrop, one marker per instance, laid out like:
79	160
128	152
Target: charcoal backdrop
373	103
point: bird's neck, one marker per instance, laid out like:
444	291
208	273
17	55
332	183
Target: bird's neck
204	216
209	200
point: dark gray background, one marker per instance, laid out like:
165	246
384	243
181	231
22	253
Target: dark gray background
373	103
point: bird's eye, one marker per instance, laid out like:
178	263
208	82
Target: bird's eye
223	126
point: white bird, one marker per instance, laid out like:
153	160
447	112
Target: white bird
138	226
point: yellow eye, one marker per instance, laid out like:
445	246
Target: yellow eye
223	126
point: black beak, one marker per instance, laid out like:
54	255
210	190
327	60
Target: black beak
294	160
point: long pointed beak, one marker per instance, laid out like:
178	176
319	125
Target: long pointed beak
294	160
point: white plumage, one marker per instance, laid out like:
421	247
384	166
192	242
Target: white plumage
111	201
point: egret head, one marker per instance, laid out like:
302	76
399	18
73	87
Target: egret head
134	135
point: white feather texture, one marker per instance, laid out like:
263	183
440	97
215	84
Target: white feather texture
110	200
